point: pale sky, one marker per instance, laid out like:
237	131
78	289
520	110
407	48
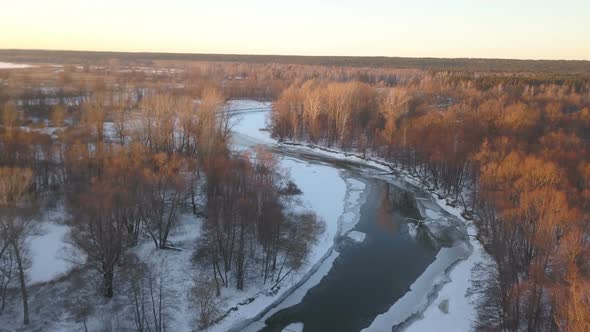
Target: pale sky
525	29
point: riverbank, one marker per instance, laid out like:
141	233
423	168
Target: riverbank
450	272
449	306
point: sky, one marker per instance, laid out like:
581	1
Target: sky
523	29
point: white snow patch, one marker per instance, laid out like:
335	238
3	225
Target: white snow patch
357	236
295	327
412	230
9	65
47	254
48	248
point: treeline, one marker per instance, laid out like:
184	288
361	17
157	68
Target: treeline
438	64
38	89
248	233
517	162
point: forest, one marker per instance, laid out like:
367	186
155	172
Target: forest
131	145
514	156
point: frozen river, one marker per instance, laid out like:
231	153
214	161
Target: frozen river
372	272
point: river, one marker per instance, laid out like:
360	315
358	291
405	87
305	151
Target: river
359	277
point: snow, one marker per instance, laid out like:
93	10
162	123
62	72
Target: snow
417	299
461	312
412	230
9	65
48	249
431	214
297	295
357	236
247	127
323	191
295	327
177	266
354	198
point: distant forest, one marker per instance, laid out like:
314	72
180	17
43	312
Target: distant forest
434	64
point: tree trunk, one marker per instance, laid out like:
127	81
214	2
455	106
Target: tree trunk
108	284
23	285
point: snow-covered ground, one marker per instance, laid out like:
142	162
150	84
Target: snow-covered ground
178	268
9	65
48	248
459	313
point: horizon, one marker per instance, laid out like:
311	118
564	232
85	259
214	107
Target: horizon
285	55
459	29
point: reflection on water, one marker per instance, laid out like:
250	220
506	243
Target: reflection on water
367	278
385	211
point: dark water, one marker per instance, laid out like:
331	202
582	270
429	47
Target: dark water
367	278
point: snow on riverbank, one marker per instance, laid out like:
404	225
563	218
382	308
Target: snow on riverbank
9	65
459	312
335	198
311	282
323	191
416	300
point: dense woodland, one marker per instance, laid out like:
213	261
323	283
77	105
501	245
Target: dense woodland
515	156
510	147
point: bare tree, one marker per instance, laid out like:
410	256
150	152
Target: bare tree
203	298
94	115
16	226
100	229
165	190
152	301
